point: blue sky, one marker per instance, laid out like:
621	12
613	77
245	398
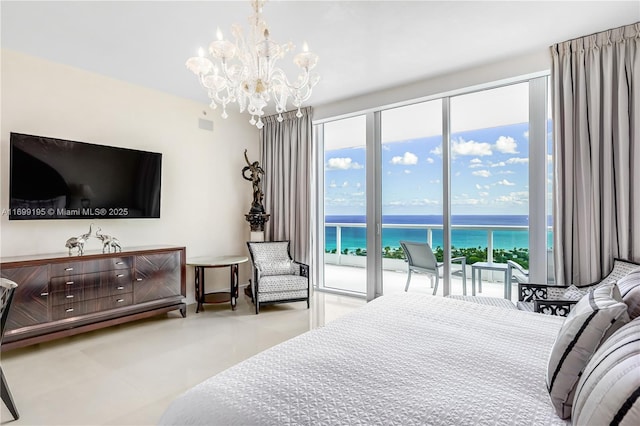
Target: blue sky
489	174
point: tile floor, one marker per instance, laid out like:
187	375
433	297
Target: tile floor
128	374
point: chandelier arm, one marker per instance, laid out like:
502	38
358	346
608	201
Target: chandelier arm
245	71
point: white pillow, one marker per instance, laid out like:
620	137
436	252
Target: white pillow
629	287
609	390
574	293
595	317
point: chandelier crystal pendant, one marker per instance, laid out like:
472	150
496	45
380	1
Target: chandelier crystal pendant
244	71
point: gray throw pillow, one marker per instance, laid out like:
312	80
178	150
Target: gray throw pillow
595	317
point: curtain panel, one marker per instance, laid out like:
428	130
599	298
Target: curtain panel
595	104
286	159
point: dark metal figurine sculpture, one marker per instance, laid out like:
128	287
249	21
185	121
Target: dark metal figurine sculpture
256	171
256	216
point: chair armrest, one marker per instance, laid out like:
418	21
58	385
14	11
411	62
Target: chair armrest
553	307
461	259
304	268
528	292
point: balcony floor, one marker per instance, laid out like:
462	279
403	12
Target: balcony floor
350	278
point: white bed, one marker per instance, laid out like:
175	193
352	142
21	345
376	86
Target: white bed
401	359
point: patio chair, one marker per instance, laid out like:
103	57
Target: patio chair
420	259
277	278
7	288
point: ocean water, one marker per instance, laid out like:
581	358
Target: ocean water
355	237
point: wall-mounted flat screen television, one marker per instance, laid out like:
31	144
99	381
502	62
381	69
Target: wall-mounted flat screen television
60	179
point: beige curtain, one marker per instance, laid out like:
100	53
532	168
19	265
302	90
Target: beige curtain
596	130
286	159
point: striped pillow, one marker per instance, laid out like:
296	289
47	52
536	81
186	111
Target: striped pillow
608	392
629	287
595	317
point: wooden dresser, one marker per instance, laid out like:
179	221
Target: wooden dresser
60	295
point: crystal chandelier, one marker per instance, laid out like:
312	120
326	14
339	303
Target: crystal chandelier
244	71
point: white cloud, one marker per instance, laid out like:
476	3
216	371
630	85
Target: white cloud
407	172
519	198
478	186
506	172
526	134
517	160
345	184
505	183
342	164
506	145
476	162
430	160
408	159
500	164
482	173
462	147
333	184
467	201
483	194
434	181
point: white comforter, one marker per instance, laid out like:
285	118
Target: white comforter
400	360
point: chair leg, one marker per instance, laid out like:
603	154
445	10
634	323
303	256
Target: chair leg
464	280
435	288
6	396
406	287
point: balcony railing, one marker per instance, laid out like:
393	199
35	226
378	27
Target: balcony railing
350	259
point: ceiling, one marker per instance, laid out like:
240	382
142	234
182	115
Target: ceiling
363	46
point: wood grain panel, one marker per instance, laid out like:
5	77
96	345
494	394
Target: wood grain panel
30	304
157	276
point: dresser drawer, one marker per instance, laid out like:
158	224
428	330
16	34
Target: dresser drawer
71	295
117	301
68	311
74	267
67	268
63	284
116	263
107	283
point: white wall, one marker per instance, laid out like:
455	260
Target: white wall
204	197
530	63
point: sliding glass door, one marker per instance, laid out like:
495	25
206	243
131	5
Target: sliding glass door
490	180
344	204
466	173
411	167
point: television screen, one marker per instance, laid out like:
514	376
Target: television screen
60	179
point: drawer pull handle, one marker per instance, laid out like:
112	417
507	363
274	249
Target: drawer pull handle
44	294
138	279
119	263
68	269
69	282
69	310
70	296
119	288
119	275
120	300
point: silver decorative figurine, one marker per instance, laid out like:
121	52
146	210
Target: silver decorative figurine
78	242
108	242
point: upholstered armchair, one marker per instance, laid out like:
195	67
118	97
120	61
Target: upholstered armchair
558	300
277	278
